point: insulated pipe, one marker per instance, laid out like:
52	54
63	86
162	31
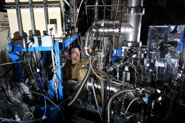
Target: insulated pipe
32	17
110	101
81	87
18	13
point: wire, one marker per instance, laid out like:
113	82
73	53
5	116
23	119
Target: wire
27	114
103	2
130	105
111	99
29	121
95	72
47	99
45	103
117	9
78	11
8	63
30	67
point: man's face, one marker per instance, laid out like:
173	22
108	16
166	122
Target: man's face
75	55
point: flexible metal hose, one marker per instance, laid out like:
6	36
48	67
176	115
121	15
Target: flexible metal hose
110	101
81	87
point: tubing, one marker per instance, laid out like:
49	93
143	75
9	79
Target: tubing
110	101
96	101
81	87
130	105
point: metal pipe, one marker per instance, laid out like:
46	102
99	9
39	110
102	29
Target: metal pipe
46	15
86	44
111	99
88	6
107	22
88	34
96	11
135	21
111	29
95	98
134	3
63	16
134	17
112	88
19	19
34	5
130	105
32	17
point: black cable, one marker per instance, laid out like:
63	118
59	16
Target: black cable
56	106
9	69
30	68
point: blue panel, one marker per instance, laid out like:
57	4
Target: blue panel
117	52
114	59
179	49
40	48
70	40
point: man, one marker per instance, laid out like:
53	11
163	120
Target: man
74	69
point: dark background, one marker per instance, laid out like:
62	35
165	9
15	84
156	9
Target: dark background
157	12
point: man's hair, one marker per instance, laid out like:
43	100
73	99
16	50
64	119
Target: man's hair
70	49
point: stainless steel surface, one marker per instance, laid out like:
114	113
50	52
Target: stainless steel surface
18	13
32	17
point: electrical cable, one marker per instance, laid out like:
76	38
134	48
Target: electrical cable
30	67
130	105
12	120
47	99
5	73
8	36
27	113
111	99
95	72
78	11
39	119
8	63
117	9
42	86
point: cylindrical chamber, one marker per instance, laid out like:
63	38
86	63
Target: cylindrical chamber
133	3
